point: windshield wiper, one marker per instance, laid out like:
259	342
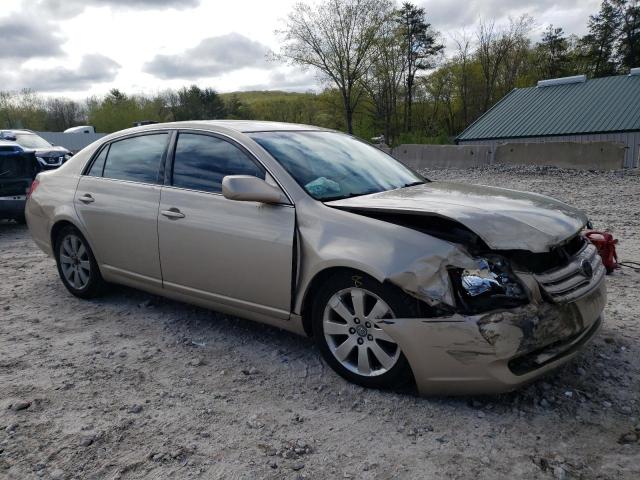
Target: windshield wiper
350	195
413	184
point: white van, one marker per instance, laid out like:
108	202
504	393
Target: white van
81	129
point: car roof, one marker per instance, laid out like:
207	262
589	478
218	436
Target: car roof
16	130
243	126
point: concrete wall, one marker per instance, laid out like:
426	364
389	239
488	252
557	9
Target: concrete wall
631	140
582	156
442	156
578	155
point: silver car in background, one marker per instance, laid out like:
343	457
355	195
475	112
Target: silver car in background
460	288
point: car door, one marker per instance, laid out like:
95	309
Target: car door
229	252
117	200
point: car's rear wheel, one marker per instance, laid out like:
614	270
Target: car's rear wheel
347	315
77	266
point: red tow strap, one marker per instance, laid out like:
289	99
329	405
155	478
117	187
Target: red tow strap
606	245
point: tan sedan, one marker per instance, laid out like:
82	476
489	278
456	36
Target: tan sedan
460	288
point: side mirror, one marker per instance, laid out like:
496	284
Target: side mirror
246	188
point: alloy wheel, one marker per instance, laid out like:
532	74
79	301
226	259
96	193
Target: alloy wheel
351	328
74	261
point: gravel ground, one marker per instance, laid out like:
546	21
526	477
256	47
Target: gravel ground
135	386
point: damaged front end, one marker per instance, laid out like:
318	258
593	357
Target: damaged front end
509	325
508	287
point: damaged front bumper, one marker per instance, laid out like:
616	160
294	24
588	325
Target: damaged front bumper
498	351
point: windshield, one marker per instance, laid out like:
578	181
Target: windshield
30	140
331	166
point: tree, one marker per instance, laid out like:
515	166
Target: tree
421	46
62	113
629	41
463	59
336	38
235	109
500	51
600	42
553	53
194	103
384	78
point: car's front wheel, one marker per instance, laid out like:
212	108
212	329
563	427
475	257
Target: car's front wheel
347	315
77	266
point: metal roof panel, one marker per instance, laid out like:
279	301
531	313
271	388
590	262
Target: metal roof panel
596	106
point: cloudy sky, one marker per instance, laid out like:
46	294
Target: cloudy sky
77	48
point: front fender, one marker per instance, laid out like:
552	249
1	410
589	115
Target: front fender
414	261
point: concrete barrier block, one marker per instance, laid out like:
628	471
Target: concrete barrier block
442	156
578	155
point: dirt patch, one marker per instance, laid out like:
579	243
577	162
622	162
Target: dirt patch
135	386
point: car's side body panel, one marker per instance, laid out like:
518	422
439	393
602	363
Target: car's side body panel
237	251
50	204
121	221
335	238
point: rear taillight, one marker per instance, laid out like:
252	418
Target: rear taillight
33	187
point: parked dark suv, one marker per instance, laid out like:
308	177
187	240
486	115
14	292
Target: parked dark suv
18	168
47	155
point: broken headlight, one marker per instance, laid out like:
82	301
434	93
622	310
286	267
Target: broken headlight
490	286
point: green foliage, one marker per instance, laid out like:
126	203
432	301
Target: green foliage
194	103
420	45
628	53
117	110
600	42
552	54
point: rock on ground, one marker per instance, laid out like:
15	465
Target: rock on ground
220	397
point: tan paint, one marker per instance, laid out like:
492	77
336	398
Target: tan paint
247	188
236	256
121	223
237	249
452	356
503	218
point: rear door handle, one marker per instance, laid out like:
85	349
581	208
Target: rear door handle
87	198
172	213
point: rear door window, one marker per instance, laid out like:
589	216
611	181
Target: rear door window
202	161
136	159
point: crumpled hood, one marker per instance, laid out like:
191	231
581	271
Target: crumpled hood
505	219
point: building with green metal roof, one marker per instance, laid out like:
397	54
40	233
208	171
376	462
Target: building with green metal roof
572	109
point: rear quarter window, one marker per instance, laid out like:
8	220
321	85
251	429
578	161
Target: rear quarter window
98	164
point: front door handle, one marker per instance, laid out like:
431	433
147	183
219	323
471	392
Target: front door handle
87	198
172	213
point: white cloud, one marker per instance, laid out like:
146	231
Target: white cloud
212	57
215	43
22	39
93	69
67	8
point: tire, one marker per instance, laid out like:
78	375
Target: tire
337	331
20	220
77	265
